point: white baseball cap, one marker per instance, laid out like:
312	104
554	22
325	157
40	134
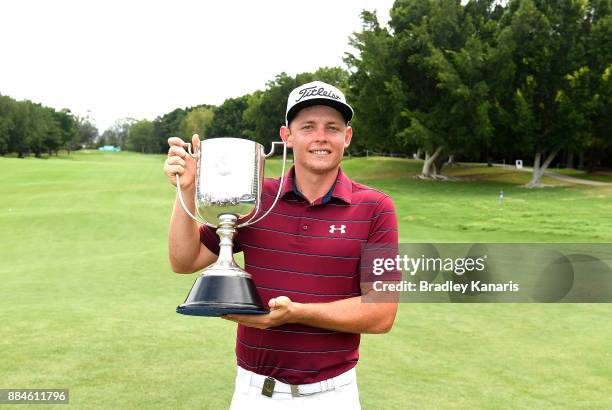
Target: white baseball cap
317	93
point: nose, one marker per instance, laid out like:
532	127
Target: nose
320	134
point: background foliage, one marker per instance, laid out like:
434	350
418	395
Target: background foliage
480	80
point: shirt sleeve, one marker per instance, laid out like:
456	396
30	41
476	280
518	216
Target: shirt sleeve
384	224
209	238
382	243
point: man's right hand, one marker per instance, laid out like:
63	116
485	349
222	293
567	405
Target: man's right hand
181	163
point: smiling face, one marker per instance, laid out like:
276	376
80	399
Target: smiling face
318	136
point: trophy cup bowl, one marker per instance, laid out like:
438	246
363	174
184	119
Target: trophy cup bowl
229	183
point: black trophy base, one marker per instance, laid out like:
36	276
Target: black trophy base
213	295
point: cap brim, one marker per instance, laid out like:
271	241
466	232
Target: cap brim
344	109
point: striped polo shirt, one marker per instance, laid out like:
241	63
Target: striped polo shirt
309	252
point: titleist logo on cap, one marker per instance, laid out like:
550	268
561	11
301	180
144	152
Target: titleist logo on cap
320	93
314	91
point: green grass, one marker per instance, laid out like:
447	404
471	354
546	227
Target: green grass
468	210
88	296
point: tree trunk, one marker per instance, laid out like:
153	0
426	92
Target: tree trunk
569	162
427	171
539	168
438	165
595	158
418	154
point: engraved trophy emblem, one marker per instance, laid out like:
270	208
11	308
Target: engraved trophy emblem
229	184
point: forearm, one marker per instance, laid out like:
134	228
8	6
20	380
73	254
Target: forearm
183	237
347	315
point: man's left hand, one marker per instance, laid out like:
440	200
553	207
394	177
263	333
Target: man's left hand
282	310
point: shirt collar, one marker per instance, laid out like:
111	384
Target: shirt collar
341	189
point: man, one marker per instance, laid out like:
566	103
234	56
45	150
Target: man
304	260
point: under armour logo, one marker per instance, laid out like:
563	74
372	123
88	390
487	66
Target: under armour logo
342	229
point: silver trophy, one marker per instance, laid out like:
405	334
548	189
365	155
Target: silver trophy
229	183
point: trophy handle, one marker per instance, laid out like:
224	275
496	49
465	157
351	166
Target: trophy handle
280	187
180	194
274	144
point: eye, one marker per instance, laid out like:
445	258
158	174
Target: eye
307	126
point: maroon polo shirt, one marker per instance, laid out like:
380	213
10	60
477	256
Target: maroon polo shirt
309	253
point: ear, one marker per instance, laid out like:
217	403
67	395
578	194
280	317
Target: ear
285	134
348	135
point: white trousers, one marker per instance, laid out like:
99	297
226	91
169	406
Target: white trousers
248	396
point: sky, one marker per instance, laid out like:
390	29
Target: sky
141	59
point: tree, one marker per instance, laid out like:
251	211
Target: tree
197	121
423	83
88	133
68	129
375	89
467	77
265	111
21	137
585	99
545	39
227	120
30	127
118	133
108	137
164	127
141	137
51	131
7	124
439	76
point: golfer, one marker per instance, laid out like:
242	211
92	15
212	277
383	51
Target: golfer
304	260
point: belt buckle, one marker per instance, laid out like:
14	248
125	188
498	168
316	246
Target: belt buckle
268	387
295	391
